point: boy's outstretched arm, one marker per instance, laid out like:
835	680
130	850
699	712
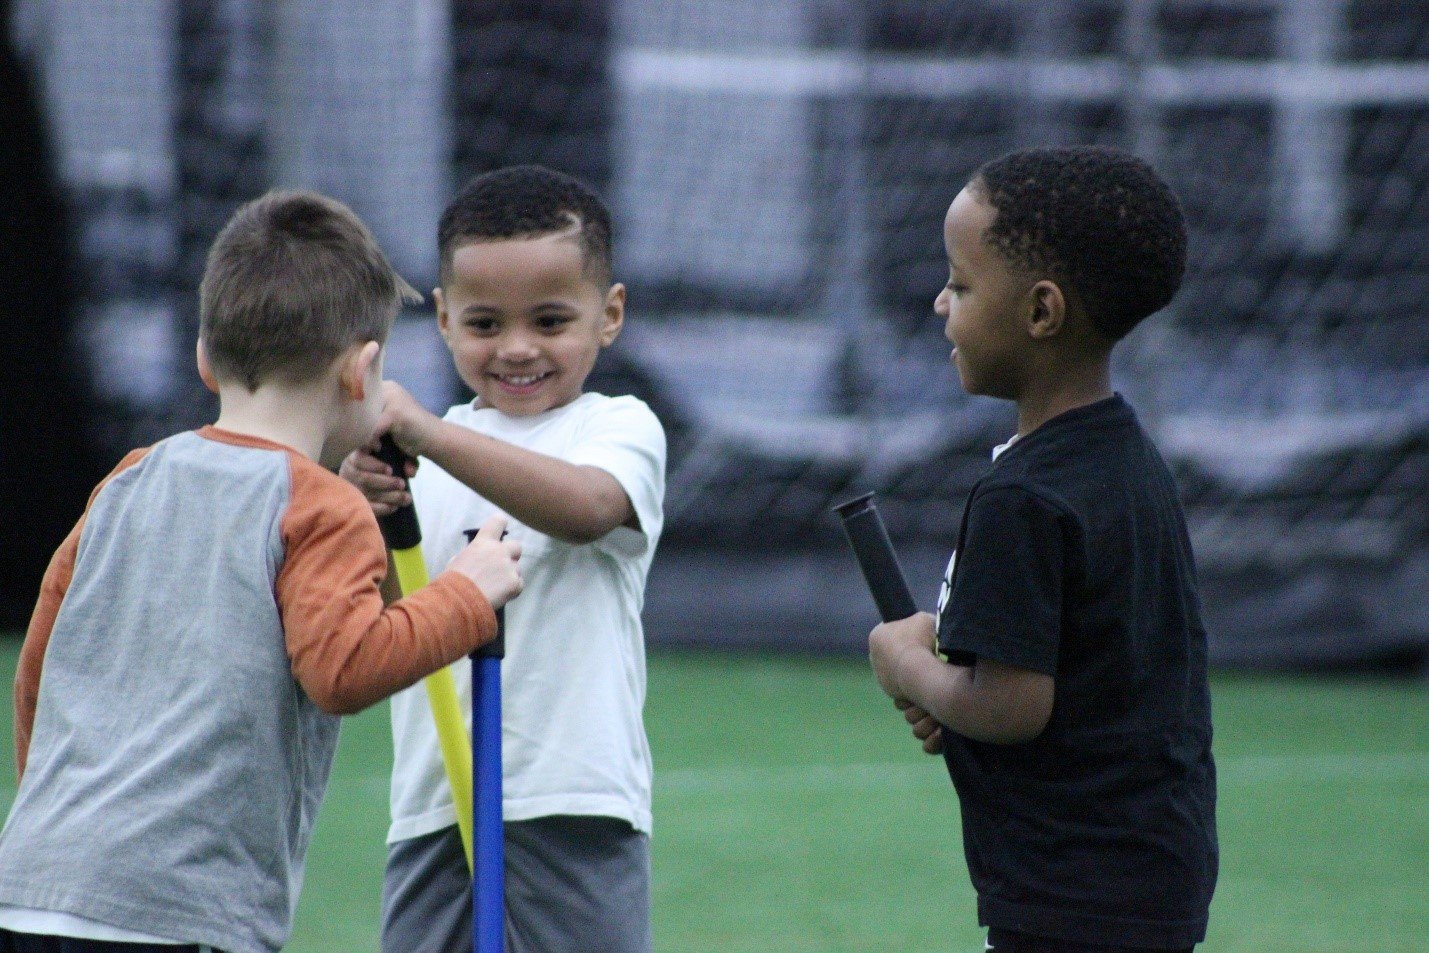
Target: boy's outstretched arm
347	651
989	701
574	503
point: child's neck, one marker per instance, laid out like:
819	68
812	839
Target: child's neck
293	416
1071	387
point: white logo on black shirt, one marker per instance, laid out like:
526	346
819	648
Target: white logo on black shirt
946	589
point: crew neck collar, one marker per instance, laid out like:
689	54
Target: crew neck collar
1108	409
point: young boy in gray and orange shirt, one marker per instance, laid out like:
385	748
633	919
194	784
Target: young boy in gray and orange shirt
213	612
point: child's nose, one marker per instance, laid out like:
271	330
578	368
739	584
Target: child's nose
940	303
517	345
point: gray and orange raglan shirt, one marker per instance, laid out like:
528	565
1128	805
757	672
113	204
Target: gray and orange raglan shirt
196	637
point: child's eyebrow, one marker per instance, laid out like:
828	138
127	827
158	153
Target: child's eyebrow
554	305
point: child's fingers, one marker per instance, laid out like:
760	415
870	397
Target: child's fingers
925	728
385	504
372	478
493	529
365	461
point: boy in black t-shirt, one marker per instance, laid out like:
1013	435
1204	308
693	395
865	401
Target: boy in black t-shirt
1072	709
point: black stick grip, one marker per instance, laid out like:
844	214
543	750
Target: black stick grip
874	551
400	529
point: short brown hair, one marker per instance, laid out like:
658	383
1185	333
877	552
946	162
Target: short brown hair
292	281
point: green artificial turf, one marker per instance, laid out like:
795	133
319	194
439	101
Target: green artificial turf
794	813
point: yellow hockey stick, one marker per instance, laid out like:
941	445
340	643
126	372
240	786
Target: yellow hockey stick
404	537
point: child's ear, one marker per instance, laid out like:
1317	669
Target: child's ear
1048	309
359	362
443	318
205	369
613	315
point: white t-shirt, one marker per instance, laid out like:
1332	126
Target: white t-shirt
573	680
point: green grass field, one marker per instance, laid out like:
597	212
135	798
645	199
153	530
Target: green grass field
794	813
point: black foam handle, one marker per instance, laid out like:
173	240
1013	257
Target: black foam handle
496	648
400	529
874	551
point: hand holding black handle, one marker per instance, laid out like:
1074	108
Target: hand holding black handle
496	648
874	551
400	528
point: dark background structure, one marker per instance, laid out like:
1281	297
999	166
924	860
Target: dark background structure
779	171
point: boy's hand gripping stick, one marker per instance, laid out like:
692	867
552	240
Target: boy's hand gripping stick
874	551
403	535
488	888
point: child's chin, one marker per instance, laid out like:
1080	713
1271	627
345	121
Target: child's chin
517	406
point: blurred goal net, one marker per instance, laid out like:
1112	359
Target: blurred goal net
779	170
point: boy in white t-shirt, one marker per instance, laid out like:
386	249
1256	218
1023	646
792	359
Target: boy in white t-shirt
526	304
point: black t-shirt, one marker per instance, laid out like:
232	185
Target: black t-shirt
1073	560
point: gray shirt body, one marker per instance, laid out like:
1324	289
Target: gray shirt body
176	766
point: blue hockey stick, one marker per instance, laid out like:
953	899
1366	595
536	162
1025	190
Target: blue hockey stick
488	873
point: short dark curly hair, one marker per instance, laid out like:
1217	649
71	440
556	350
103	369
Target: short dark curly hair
1097	218
527	201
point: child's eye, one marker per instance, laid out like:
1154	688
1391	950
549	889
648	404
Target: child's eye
482	325
957	288
552	322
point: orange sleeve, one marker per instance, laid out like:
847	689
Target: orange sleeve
347	651
37	638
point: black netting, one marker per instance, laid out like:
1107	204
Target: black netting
779	171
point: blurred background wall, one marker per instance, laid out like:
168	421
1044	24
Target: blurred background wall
779	171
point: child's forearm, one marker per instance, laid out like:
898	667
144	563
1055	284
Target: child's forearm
391	587
576	504
347	654
988	702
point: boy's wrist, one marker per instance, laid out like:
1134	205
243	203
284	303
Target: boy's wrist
422	435
901	670
913	659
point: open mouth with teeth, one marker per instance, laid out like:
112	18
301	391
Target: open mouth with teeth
521	383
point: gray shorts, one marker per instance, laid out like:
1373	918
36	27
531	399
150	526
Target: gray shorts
573	885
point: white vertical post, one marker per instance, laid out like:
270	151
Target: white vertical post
711	185
1142	50
1043	39
360	111
1308	203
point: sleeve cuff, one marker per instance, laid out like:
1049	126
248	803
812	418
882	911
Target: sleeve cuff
477	613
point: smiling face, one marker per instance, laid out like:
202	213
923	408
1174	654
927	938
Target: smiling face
986	304
525	320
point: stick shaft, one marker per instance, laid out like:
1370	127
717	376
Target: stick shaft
488	886
403	535
446	709
488	895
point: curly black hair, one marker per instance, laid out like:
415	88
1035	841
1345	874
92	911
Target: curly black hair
1097	218
527	201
